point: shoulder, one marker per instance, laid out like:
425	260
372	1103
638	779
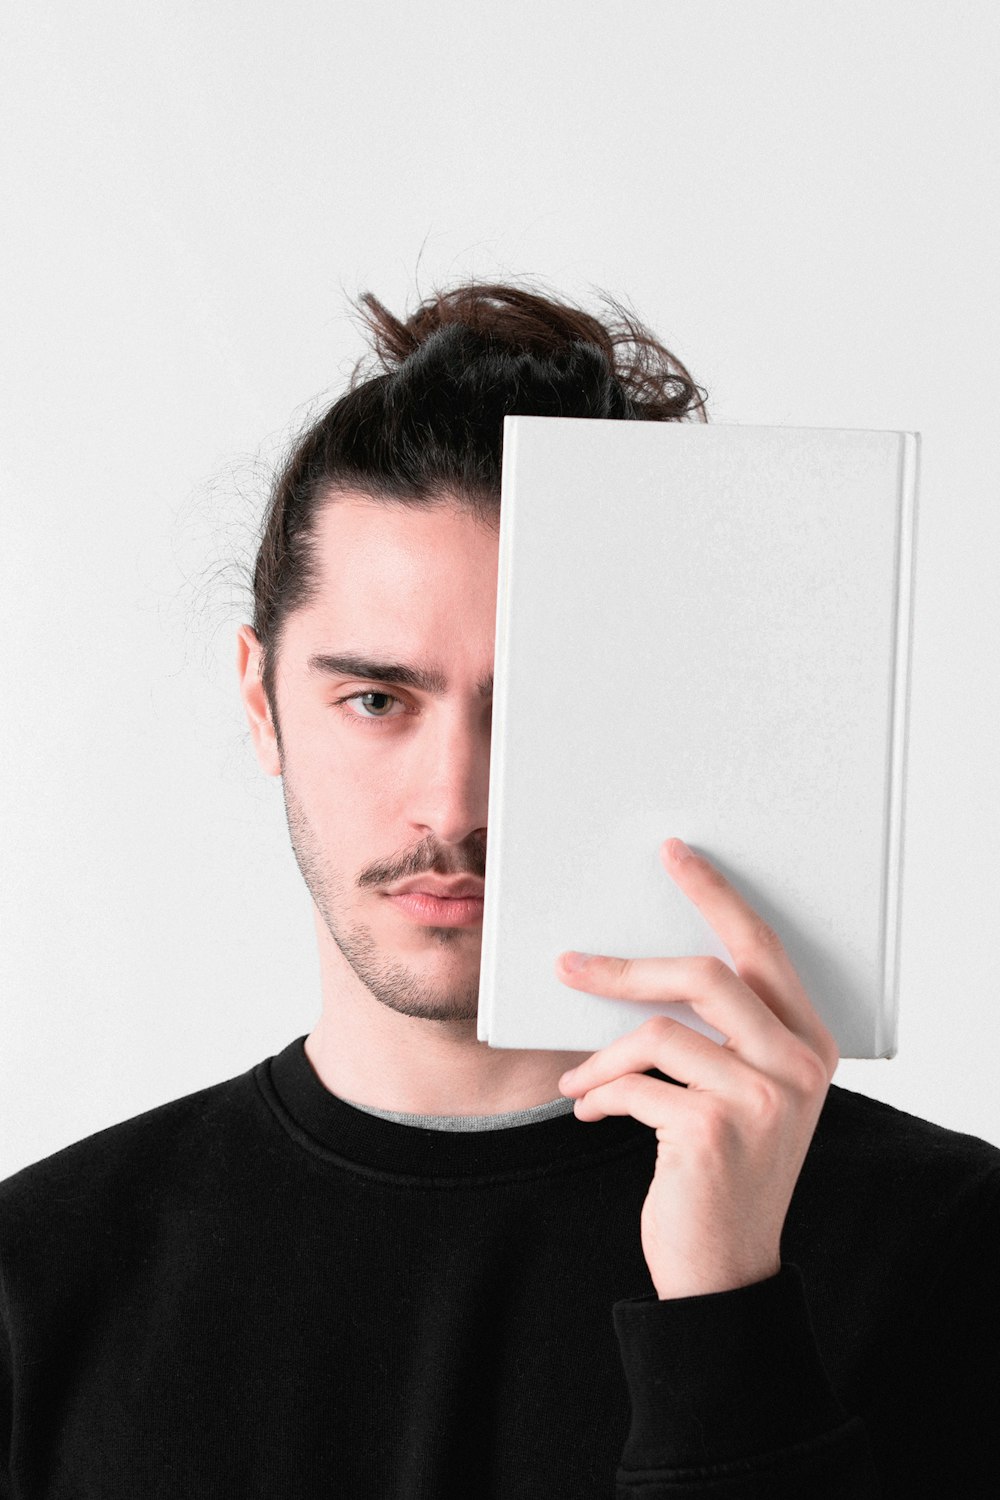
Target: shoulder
872	1127
887	1163
146	1156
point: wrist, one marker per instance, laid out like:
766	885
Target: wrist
723	1279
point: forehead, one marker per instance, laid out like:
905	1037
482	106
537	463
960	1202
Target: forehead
403	539
394	574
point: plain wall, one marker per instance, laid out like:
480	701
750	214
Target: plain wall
802	201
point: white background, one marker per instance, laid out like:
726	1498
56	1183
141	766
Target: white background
802	201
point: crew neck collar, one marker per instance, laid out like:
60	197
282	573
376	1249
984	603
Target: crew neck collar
330	1126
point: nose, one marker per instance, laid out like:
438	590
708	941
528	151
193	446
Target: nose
450	794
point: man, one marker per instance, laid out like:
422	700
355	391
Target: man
391	1261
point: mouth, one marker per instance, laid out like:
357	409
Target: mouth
440	911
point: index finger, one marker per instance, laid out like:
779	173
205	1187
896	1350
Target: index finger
758	953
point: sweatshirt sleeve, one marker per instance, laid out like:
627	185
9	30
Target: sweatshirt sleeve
6	1396
751	1408
933	1415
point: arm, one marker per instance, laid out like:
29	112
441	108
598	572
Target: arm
6	1398
933	1416
730	1401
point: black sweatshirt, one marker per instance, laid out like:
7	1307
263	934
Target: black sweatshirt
261	1289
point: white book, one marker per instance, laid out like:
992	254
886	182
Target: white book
702	631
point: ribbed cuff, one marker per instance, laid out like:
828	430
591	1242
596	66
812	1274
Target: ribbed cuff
728	1375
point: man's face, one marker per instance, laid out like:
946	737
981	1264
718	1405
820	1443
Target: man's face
393	783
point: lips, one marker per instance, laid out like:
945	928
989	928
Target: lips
442	890
458	912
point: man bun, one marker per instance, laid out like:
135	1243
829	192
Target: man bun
423	424
623	366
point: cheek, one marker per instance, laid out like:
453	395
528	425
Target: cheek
357	812
344	779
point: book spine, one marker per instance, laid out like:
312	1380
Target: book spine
494	823
906	554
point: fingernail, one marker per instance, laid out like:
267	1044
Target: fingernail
679	849
577	960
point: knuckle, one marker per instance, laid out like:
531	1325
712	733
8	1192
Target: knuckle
710	967
662	1026
710	1128
765	1099
764	936
810	1073
831	1053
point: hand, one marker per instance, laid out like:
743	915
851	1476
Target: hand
731	1143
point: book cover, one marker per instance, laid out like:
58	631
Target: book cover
702	631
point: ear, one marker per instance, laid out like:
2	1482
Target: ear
248	656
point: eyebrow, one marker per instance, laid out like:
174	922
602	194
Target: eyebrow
400	674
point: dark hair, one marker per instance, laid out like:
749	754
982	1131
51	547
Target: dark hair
427	427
